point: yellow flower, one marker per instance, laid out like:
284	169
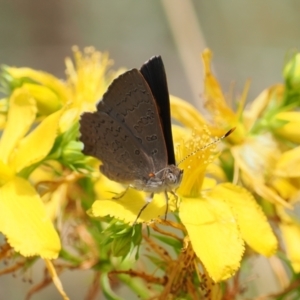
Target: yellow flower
224	117
88	77
48	91
219	220
265	167
256	159
23	218
87	80
255	154
39	151
40	128
127	206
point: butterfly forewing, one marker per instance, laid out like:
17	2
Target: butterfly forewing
125	132
129	100
155	75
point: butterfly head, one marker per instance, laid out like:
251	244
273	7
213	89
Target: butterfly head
166	179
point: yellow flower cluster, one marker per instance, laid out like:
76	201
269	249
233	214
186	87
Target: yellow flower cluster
37	120
218	218
227	192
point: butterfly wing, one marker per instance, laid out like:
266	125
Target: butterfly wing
125	132
106	139
154	73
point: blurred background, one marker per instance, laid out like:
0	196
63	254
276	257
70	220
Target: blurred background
249	39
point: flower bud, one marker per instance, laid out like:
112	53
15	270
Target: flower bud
72	151
121	246
291	73
290	123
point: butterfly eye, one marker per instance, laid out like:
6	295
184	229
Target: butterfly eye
171	177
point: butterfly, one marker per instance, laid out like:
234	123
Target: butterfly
130	132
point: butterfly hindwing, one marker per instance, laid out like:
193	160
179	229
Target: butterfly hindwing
119	151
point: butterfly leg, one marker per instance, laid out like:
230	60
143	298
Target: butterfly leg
176	197
167	204
148	201
119	196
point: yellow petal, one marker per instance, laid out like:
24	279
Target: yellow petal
253	224
259	104
2	121
291	116
56	279
36	145
288	164
223	116
3	111
214	235
179	133
56	202
6	173
43	78
128	207
217	171
87	76
290	130
215	100
46	172
194	166
208	183
253	167
24	222
259	154
185	113
106	189
46	100
212	87
269	194
21	115
68	118
291	237
285	188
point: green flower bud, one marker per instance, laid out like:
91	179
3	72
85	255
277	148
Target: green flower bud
291	72
72	152
121	246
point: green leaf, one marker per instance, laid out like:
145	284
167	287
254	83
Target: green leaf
174	243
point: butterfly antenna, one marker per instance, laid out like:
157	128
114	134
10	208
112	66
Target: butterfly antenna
208	145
